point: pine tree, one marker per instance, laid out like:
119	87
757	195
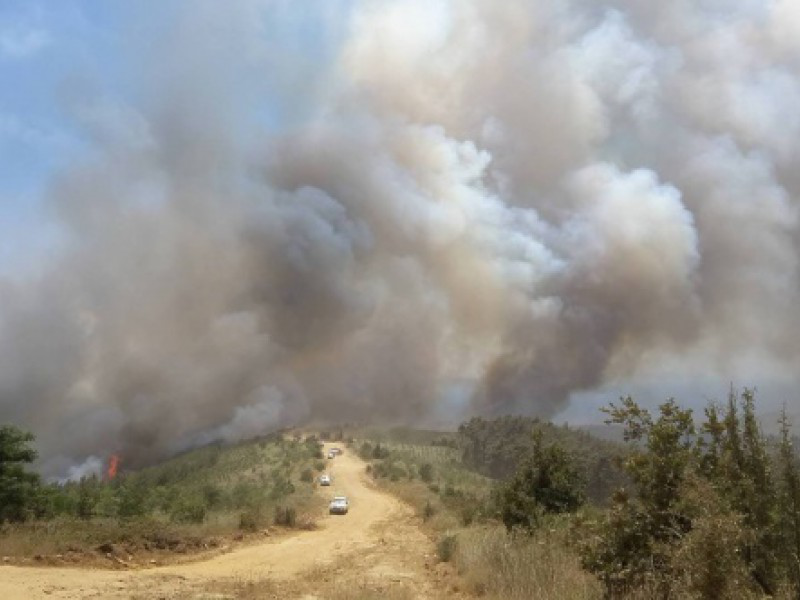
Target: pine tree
547	482
789	503
18	488
760	507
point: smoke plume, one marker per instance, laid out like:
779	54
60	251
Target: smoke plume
533	197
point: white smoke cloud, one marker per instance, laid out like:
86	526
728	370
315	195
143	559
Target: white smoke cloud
521	201
92	466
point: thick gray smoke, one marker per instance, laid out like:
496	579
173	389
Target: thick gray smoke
535	197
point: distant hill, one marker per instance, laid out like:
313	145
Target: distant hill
496	448
610	433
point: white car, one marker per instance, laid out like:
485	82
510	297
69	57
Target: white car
331	454
339	505
324	479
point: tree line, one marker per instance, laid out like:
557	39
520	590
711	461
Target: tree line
710	507
184	489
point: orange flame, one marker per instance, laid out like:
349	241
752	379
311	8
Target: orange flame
113	464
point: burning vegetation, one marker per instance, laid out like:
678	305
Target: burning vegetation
113	465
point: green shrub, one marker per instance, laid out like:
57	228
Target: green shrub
252	519
446	547
426	472
703	521
87	497
428	511
307	476
212	495
286	516
467	514
188	510
132	497
380	452
245	494
547	482
365	451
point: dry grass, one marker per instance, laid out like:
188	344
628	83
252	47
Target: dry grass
491	563
344	592
64	535
317	582
496	565
416	494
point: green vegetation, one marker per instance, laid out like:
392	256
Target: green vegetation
699	508
432	477
685	509
463	508
495	449
547	482
19	489
713	511
211	491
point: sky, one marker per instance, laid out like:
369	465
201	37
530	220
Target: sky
219	218
38	49
52	53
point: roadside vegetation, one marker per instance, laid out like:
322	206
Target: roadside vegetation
688	508
199	500
449	485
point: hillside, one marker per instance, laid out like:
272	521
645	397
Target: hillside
375	551
199	500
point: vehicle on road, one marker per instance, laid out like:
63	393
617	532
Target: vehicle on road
331	454
339	505
337	451
325	479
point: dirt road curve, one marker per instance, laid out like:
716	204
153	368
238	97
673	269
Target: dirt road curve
377	547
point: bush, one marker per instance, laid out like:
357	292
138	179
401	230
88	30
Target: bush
132	498
188	511
246	494
212	495
286	516
307	476
426	472
84	508
428	511
703	521
707	561
548	482
468	513
380	452
634	543
365	451
252	519
446	547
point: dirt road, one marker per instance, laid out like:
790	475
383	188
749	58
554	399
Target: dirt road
376	548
